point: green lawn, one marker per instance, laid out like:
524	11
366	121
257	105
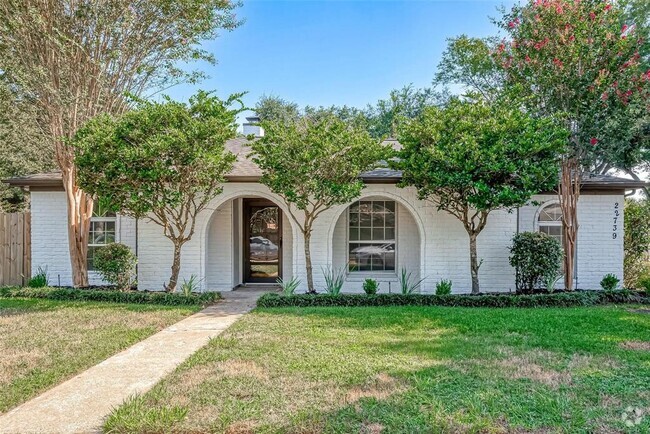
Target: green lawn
409	370
44	342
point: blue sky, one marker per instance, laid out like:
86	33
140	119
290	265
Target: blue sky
336	52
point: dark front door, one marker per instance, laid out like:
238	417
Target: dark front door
262	241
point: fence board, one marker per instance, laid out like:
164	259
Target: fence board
15	249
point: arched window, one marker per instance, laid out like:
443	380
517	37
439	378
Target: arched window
549	221
372	237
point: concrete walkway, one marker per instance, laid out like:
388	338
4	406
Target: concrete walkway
80	404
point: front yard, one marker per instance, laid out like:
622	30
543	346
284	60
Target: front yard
44	342
409	370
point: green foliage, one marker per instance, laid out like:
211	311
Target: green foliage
164	161
471	158
40	279
190	285
443	287
370	286
314	163
582	60
334	280
116	264
135	297
644	283
636	241
537	259
407	283
610	282
468	62
289	287
566	299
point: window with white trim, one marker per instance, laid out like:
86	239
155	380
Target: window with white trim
372	235
103	227
549	221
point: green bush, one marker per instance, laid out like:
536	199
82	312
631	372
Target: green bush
535	256
443	287
644	283
370	286
40	279
116	264
565	299
610	282
136	297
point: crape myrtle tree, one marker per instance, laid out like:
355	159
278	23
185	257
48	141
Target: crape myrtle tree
315	163
473	157
77	58
581	60
164	161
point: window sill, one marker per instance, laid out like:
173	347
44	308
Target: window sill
360	276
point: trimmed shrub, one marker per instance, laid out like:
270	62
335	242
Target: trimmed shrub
610	282
135	297
116	264
535	257
565	299
443	287
370	286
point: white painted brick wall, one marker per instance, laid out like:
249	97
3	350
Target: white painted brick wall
50	237
442	251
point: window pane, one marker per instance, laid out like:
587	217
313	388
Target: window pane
354	219
365	206
378	220
364	220
354	234
390	206
551	213
378	206
390	234
365	234
378	234
390	220
354	207
372	257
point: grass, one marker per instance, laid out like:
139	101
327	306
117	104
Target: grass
409	370
44	342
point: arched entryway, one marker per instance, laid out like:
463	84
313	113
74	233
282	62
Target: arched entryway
248	241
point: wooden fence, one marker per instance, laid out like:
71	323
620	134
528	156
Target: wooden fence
15	249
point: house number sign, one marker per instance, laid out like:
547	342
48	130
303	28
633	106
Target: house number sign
617	213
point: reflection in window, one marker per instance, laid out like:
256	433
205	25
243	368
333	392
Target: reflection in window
550	221
372	236
102	231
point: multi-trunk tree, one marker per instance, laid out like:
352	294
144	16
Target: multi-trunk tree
162	161
473	157
583	61
78	58
315	163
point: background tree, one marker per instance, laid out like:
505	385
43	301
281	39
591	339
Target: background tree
314	163
636	241
578	60
21	144
163	161
77	59
468	63
471	158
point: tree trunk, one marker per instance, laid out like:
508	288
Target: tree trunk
80	210
176	267
308	268
569	193
474	265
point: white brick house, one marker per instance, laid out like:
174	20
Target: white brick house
246	237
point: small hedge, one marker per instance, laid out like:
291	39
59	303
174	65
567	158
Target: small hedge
112	296
565	299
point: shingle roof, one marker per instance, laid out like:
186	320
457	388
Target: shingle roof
245	170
